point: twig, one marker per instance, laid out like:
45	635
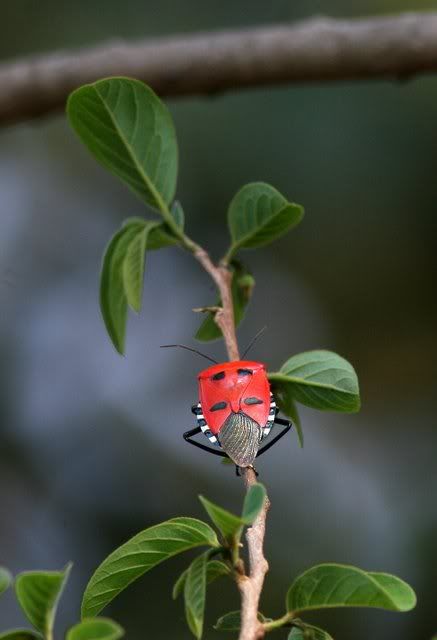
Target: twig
250	586
224	317
320	49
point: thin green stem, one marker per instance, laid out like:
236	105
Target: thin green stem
235	550
225	261
278	623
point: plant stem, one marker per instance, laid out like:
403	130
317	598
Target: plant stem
278	623
224	317
249	584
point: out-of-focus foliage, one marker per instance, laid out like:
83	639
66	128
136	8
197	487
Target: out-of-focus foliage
95	629
38	593
5	579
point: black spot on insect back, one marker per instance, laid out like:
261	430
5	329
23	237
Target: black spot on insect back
219	405
218	376
253	401
244	372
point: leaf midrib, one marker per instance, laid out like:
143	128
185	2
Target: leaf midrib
149	184
240	242
362	573
281	377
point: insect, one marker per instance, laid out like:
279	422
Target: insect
236	411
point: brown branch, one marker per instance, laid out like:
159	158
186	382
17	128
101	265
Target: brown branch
320	49
224	317
250	585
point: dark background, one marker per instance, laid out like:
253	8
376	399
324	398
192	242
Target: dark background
90	443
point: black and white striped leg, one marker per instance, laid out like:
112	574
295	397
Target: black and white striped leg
273	410
287	424
193	432
201	422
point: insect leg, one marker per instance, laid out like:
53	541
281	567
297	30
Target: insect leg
287	424
189	434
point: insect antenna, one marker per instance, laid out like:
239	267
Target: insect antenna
252	342
182	346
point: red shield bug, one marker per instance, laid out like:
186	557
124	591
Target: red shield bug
236	410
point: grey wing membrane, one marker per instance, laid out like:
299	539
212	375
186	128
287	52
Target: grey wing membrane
240	437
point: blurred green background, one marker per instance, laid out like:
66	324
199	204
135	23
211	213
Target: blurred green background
90	443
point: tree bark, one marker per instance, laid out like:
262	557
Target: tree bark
316	50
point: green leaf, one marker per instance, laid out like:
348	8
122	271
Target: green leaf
308	632
336	585
140	554
113	301
179	585
161	236
253	502
283	395
230	525
5	579
226	522
178	214
134	264
258	214
195	594
122	276
130	132
242	287
320	379
38	593
232	621
95	629
20	634
214	569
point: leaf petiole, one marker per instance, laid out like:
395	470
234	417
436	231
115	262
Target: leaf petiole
271	625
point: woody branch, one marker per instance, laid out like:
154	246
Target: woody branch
316	50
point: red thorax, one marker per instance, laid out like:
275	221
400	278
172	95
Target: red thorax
238	386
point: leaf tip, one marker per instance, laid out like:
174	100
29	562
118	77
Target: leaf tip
119	345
